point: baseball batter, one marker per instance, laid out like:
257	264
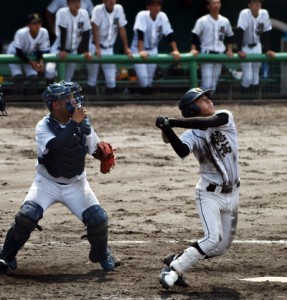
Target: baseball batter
253	24
32	39
108	19
149	28
64	137
212	138
73	29
210	34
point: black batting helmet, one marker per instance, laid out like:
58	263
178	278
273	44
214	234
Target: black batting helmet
186	104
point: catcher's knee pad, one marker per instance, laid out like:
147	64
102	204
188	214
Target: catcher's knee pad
28	217
96	220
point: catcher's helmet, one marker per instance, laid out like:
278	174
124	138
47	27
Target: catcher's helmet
76	89
186	104
54	92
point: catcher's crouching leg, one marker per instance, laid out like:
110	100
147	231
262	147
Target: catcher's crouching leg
26	221
96	220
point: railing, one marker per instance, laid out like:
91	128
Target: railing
191	62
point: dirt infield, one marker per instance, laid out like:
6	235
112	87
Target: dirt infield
149	198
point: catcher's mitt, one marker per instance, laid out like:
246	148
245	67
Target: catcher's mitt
106	154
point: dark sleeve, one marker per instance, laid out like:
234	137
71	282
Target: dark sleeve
194	40
266	40
63	33
22	55
239	38
84	45
140	35
178	146
200	122
39	54
229	39
63	138
170	38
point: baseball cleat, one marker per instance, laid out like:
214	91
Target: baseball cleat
167	277
167	260
110	263
7	265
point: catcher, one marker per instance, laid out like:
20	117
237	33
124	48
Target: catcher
212	138
64	137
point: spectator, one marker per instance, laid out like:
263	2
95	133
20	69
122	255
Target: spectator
149	28
209	35
73	30
52	9
29	40
253	24
107	20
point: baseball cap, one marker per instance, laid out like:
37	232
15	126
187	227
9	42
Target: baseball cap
152	1
250	1
35	17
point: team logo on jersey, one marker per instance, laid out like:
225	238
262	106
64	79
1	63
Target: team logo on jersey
221	34
116	21
259	29
80	25
220	141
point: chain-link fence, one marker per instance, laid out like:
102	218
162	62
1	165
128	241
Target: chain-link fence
169	79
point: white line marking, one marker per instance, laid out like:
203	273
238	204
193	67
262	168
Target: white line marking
266	279
131	242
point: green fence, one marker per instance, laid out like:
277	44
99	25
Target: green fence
274	85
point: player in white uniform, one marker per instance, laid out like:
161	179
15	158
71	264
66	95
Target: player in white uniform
64	137
212	138
210	34
107	20
73	30
55	5
149	28
29	40
253	24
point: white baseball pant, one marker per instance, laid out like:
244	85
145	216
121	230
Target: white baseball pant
109	70
77	197
250	71
218	214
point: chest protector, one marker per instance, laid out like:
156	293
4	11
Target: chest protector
68	161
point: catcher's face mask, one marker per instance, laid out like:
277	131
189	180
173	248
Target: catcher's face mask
70	102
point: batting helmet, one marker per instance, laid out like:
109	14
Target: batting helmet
186	104
54	92
76	89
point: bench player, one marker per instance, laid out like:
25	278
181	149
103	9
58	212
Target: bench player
149	28
32	39
253	26
54	6
108	19
73	29
209	35
212	138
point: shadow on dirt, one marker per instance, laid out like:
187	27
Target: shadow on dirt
95	275
215	294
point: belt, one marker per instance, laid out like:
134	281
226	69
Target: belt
227	189
62	183
251	45
104	47
212	52
147	49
